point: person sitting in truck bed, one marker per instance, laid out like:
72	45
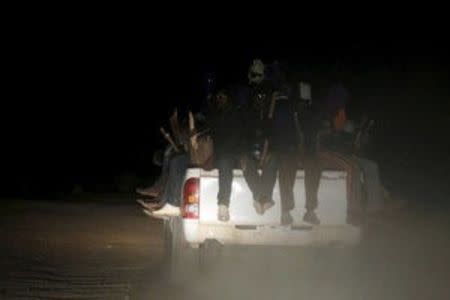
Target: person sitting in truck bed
176	164
224	122
255	99
221	122
335	150
156	189
283	139
168	200
290	144
373	187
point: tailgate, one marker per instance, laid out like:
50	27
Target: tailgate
331	211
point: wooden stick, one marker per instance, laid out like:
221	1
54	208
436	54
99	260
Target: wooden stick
169	139
192	133
175	127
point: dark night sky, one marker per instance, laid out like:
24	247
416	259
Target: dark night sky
85	105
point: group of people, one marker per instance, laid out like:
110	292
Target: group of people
269	129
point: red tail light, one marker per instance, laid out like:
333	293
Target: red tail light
191	198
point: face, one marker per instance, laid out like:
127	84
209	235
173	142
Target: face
255	78
256	72
222	100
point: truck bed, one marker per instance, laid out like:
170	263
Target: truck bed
247	227
331	210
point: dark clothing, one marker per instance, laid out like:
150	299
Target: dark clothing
176	173
254	105
354	188
285	147
225	165
283	141
282	133
337	98
310	123
340	142
287	171
160	183
336	152
225	128
262	185
313	173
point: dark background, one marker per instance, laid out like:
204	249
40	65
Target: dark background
84	105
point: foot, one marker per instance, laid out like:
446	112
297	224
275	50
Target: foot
223	214
268	205
168	210
150	214
150	191
258	207
311	217
150	205
286	218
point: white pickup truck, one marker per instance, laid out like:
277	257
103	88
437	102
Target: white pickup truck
191	238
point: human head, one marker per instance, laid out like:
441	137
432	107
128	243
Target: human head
222	99
256	72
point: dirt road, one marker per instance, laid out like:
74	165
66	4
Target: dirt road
106	251
75	251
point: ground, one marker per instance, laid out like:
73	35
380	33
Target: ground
85	250
61	250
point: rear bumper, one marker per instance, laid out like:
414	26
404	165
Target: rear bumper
196	233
